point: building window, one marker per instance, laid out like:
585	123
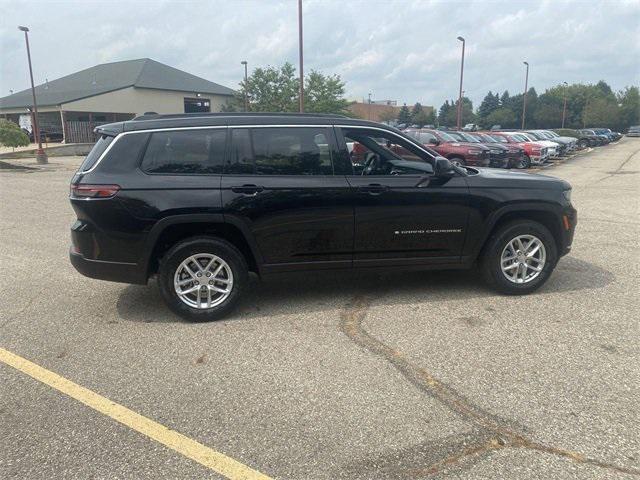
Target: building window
195	105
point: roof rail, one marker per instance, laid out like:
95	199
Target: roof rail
156	116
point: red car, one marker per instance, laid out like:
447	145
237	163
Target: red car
534	152
515	153
459	153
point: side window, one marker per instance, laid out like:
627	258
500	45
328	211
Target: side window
280	151
182	152
378	153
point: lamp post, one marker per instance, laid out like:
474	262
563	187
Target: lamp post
459	117
369	109
41	156
246	87
301	56
524	98
564	107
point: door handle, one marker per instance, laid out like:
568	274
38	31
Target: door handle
247	189
373	189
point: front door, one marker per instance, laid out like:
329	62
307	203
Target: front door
404	215
280	187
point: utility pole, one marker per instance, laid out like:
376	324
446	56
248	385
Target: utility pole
459	116
246	87
41	156
524	99
300	46
369	109
564	107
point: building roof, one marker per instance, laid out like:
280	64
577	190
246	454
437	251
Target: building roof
107	77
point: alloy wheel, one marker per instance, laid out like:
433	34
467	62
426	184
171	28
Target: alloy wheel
523	259
203	281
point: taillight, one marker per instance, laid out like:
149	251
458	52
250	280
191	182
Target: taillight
94	191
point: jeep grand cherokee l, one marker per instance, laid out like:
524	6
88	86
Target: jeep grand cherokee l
201	200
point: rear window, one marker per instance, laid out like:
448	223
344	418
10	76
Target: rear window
185	152
98	149
280	151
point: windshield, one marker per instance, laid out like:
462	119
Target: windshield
520	137
497	138
469	138
446	137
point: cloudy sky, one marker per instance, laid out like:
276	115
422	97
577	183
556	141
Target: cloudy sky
404	50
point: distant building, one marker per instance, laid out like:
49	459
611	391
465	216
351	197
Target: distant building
73	105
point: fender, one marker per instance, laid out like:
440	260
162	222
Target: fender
495	216
218	218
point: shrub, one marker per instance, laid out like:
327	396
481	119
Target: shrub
11	135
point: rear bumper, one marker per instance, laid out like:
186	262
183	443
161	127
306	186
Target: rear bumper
110	271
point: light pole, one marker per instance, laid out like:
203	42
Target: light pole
246	87
369	109
459	117
524	98
41	156
301	56
564	107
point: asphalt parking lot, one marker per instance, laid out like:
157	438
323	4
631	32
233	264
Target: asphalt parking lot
409	375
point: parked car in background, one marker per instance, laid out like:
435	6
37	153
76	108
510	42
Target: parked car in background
584	140
457	152
613	136
498	155
516	157
570	142
604	138
535	152
471	127
553	148
634	131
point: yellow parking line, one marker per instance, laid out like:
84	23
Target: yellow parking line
188	447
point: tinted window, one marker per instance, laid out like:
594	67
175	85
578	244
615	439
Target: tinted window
280	151
185	152
124	154
98	149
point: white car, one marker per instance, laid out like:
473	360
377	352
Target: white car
552	147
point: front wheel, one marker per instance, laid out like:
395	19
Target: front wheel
457	161
519	257
524	162
202	278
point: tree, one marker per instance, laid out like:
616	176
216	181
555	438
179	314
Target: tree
324	94
501	116
490	103
444	113
404	116
11	135
600	112
467	115
629	101
416	111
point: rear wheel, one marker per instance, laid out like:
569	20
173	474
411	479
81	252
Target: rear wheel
202	278
519	257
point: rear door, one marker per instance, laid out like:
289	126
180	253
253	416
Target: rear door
404	215
278	185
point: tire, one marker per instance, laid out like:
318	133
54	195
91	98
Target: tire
498	247
524	163
458	161
228	265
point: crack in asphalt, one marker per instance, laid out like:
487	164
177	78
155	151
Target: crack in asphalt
500	433
619	169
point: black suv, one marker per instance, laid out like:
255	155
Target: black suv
203	199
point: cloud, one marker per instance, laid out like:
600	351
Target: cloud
397	49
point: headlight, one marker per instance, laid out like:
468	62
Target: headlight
567	195
472	151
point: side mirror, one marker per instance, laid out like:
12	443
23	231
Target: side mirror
434	141
443	167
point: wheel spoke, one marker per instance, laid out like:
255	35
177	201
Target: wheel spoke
189	271
218	289
510	267
190	290
535	250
